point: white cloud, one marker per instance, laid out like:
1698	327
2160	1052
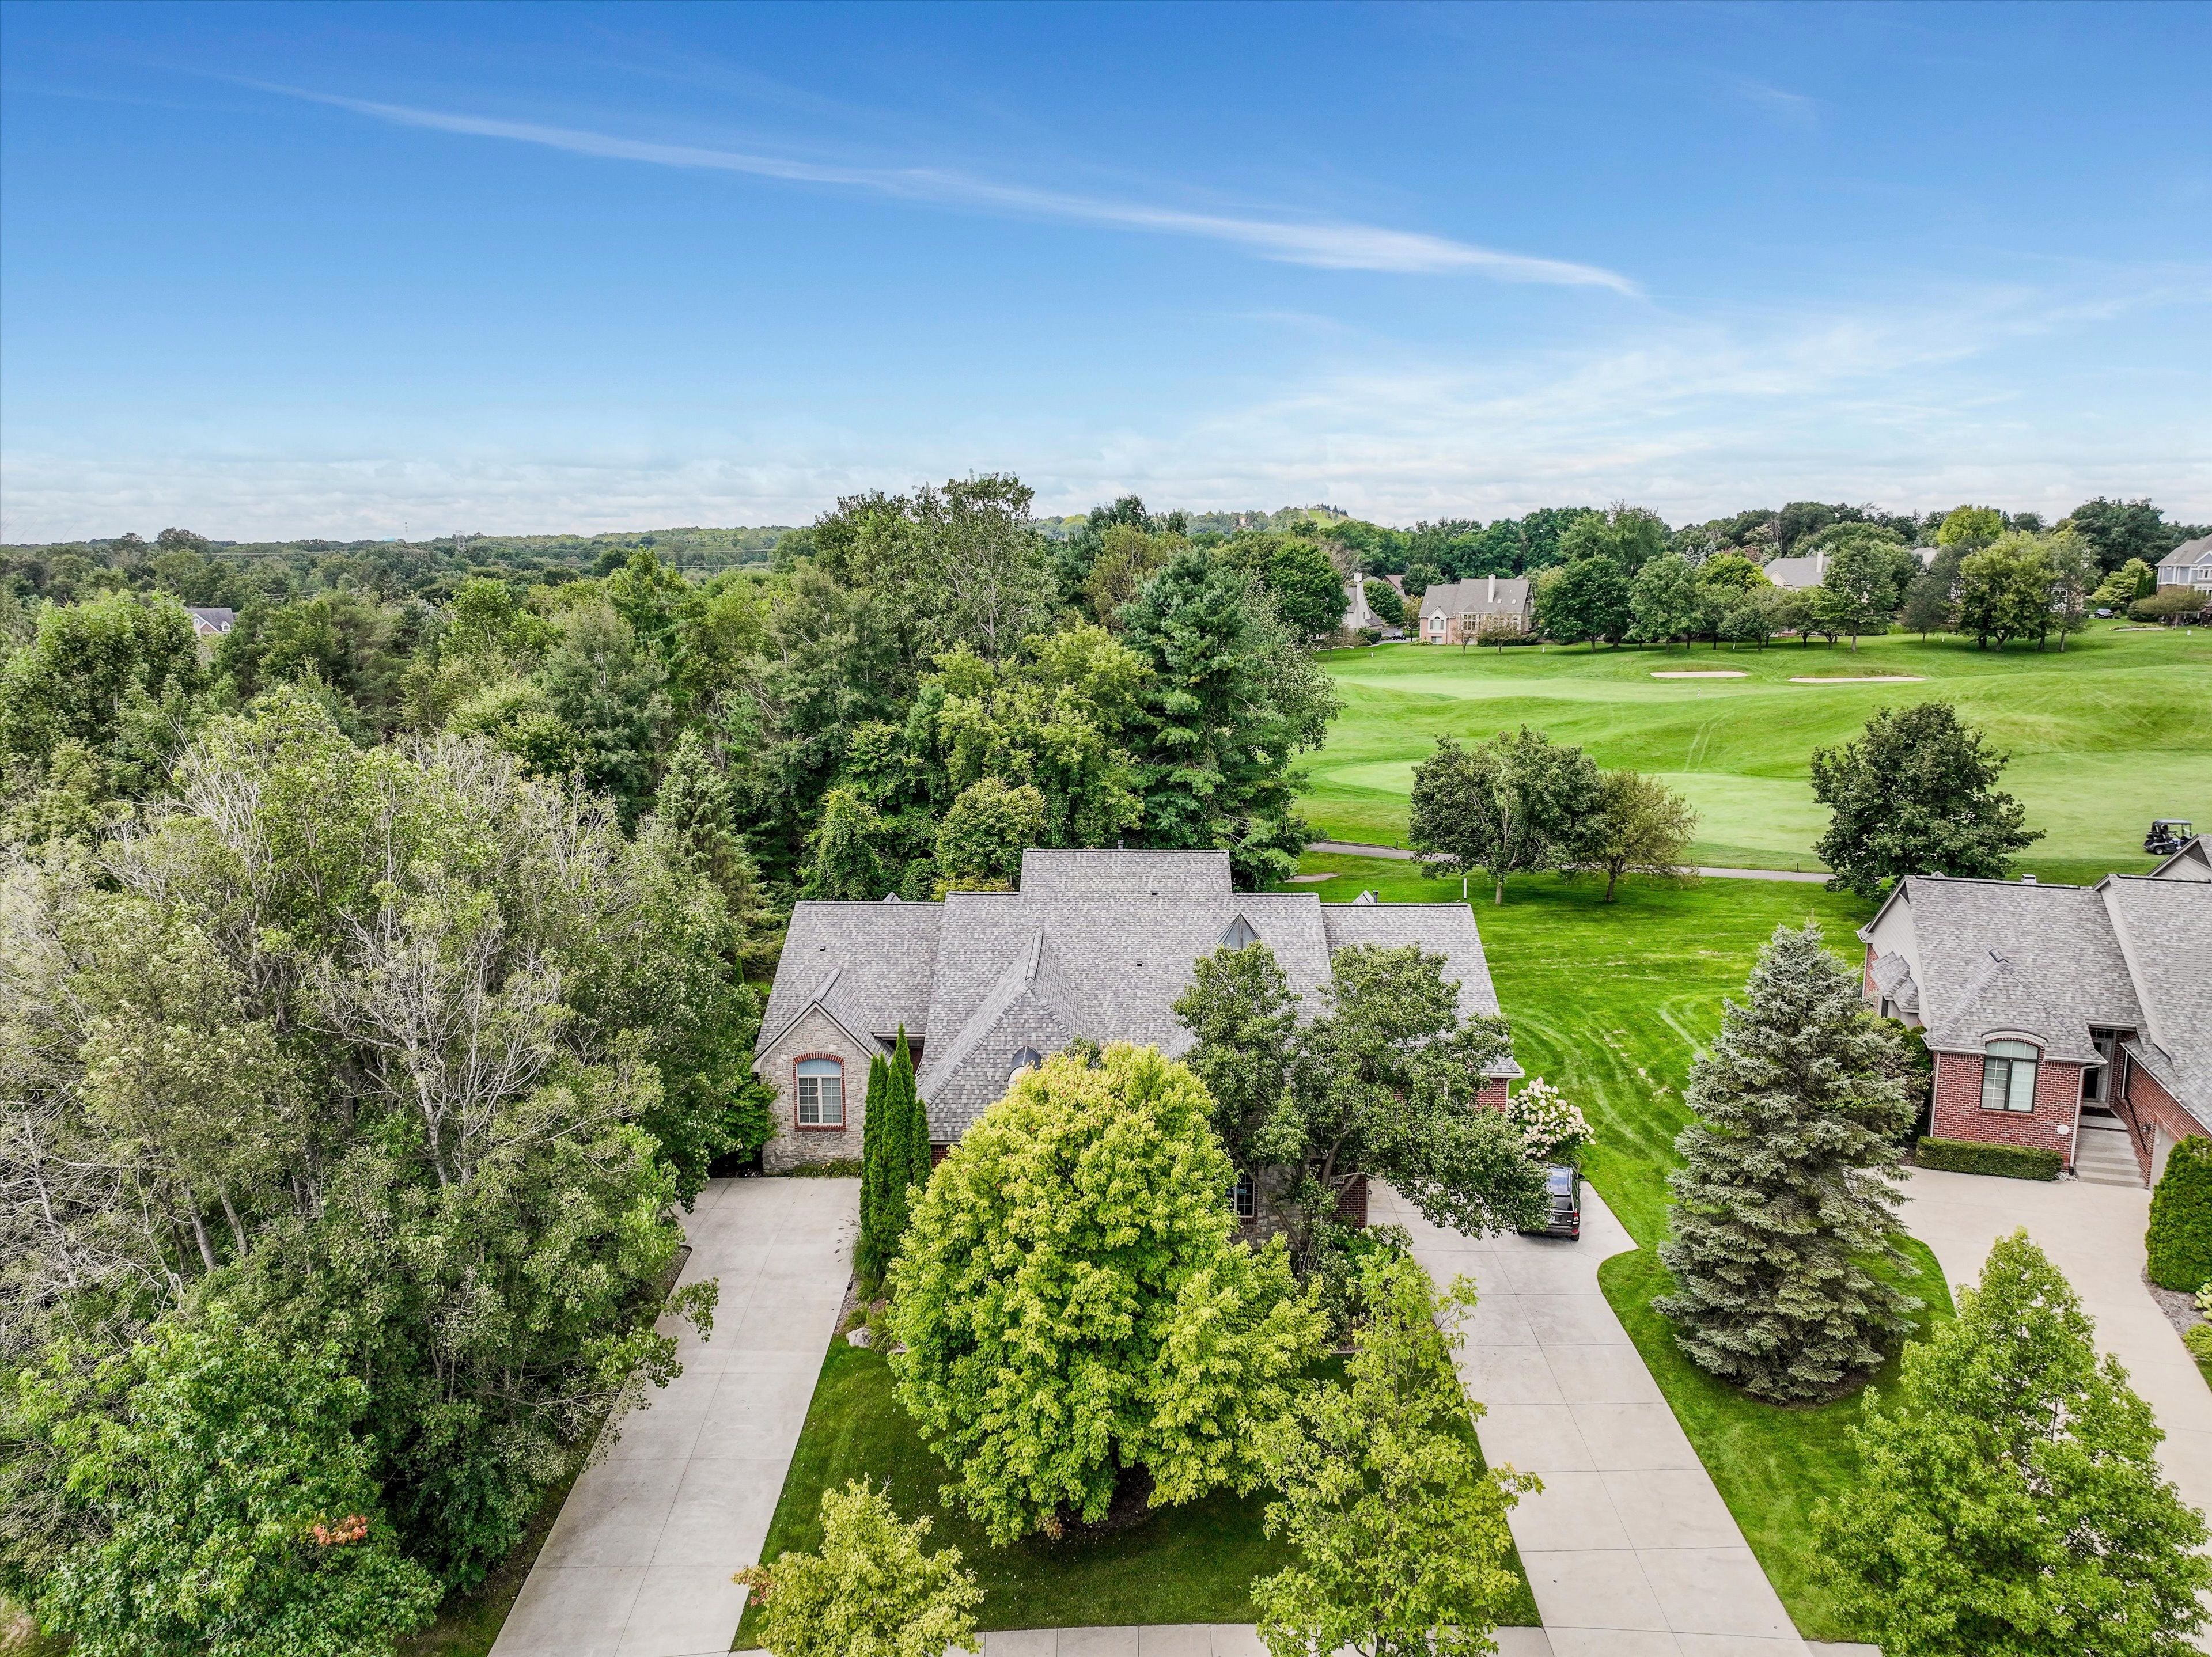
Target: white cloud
1331	244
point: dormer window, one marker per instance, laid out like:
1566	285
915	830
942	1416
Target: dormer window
1025	1059
2008	1076
1238	934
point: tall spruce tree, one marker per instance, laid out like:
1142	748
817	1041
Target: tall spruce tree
1786	1192
2010	1499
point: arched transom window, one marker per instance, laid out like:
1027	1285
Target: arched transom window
2008	1076
821	1092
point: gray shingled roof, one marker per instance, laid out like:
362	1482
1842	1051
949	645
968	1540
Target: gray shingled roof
1096	944
2132	953
1474	597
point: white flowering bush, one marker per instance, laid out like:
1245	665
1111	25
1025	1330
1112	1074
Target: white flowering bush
2204	1300
1553	1129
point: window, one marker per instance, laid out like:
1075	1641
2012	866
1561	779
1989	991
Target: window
2008	1076
1436	624
821	1092
1026	1058
1248	1196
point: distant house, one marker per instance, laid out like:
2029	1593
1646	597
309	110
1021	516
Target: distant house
985	984
212	623
1459	612
1359	614
1809	570
2188	565
2074	1018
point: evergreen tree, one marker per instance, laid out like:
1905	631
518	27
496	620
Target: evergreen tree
905	1146
2010	1502
1786	1190
2179	1241
871	1255
693	803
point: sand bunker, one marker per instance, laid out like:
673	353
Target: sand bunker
1870	678
1714	673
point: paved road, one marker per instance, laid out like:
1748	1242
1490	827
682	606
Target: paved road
1399	854
1630	1549
2095	1235
639	1563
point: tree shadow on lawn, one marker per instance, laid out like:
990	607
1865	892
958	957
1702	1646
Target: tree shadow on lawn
1189	1564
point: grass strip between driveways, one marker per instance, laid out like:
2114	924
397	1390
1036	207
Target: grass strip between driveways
1189	1564
1611	1003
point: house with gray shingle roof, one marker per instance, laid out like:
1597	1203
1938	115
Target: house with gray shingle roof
1459	612
1096	944
2188	565
2077	1019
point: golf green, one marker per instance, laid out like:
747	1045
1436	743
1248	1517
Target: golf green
2104	736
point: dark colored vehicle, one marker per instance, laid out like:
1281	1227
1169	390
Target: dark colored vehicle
1563	1190
2168	835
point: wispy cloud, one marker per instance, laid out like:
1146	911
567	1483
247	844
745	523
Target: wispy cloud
1329	244
1794	107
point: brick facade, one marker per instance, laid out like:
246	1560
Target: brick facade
2145	1108
1958	1113
815	1035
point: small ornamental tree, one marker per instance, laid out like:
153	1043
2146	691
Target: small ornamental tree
1915	794
2010	1499
1641	826
871	1592
1786	1190
1516	803
1075	1317
1400	1531
221	1506
2180	1242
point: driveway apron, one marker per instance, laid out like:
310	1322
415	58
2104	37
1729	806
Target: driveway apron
639	1563
1630	1549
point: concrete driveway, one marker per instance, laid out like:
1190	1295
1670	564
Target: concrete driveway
1630	1549
639	1563
2095	1235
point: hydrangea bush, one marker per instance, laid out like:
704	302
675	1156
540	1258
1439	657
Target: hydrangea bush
1553	1129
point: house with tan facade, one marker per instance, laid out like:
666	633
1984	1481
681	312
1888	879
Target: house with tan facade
2076	1019
1095	943
1459	612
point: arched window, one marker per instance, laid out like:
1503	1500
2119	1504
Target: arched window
821	1092
1026	1058
1248	1196
2008	1076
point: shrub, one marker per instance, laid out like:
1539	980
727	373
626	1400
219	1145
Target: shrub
871	1592
1973	1156
1553	1129
2174	603
2179	1241
2198	1340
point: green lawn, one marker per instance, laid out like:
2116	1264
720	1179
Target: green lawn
1609	1002
1190	1564
2112	732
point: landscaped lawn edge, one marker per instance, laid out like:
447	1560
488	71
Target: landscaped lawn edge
1771	1463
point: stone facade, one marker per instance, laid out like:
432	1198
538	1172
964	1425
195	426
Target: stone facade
1958	1113
815	1035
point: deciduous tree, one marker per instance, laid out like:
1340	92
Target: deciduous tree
1915	794
872	1591
1516	803
1073	1312
2010	1498
1399	1532
1665	601
1640	827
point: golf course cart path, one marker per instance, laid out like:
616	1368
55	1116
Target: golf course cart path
2094	1233
1399	854
639	1563
1630	1549
1240	1640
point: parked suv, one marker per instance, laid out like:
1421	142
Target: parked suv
1563	1190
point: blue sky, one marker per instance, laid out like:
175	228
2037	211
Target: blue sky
349	270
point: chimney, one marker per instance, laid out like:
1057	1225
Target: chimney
1493	589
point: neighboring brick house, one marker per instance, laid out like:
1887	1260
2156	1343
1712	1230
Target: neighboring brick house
2074	1018
1459	612
1096	944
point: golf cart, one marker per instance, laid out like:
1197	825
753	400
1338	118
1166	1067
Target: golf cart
2168	835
